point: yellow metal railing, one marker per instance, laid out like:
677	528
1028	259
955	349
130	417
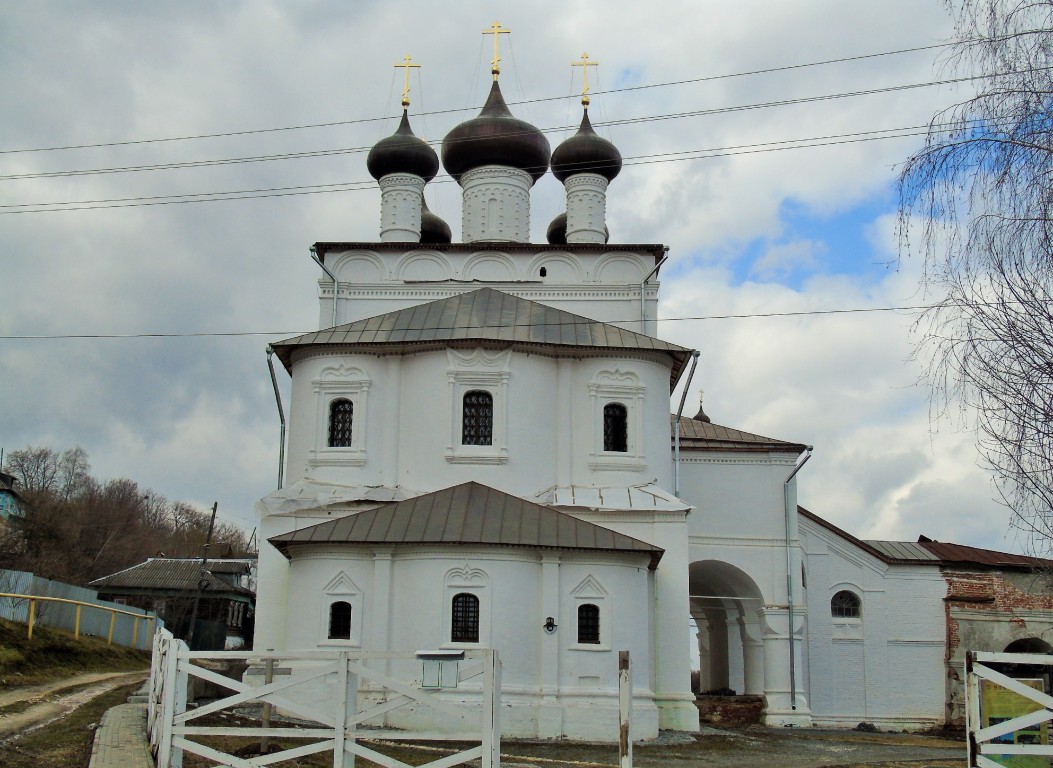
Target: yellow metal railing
80	604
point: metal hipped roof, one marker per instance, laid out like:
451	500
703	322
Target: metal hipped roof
167	575
485	314
704	436
470	513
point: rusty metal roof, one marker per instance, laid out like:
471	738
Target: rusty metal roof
163	574
486	315
704	436
470	513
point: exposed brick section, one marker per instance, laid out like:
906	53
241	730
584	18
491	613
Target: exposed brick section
729	710
987	590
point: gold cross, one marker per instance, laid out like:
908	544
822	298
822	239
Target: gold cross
406	65
495	30
585	64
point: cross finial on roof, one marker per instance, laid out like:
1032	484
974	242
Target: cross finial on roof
406	64
495	30
585	64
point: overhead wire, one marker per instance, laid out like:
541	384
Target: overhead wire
353	150
331	124
366	185
545	324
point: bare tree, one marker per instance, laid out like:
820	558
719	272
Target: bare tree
976	204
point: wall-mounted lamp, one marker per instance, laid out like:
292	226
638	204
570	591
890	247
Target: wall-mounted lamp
550	625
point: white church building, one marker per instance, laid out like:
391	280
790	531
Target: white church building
481	454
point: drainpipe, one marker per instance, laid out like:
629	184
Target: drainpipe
281	417
676	450
787	511
643	283
318	261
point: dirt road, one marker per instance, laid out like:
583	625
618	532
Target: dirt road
25	709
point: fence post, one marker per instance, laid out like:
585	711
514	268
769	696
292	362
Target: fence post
76	624
168	697
32	615
625	709
491	757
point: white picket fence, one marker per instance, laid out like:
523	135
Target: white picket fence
989	741
360	709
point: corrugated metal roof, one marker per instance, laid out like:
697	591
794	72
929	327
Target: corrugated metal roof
470	513
902	550
168	575
703	436
482	315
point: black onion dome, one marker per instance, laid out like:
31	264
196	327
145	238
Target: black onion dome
402	152
495	137
586	152
557	230
432	228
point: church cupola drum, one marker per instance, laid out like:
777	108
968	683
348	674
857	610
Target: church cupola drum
585	163
496	158
402	164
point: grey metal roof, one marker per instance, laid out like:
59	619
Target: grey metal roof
485	314
704	436
902	550
657	250
168	575
470	513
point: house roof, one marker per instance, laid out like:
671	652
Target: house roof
488	315
470	513
925	551
164	574
7	484
703	436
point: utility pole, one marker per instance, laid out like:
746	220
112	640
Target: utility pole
202	576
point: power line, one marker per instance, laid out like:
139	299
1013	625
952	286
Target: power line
353	150
358	186
769	70
584	321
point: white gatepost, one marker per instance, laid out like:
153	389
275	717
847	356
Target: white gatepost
625	710
491	736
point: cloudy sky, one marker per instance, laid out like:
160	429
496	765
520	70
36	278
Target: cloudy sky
122	214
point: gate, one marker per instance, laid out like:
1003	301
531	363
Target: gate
996	738
338	724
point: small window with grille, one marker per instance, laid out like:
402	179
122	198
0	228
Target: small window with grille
845	605
477	424
341	416
615	427
588	623
465	625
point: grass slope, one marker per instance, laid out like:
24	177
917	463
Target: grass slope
55	654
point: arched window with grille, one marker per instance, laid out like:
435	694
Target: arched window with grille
846	605
589	623
341	416
340	620
464	627
615	427
477	420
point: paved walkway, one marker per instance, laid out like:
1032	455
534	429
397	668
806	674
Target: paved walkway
120	740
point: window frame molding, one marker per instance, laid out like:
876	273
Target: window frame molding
334	383
589	591
622	388
341	588
486	371
472	581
